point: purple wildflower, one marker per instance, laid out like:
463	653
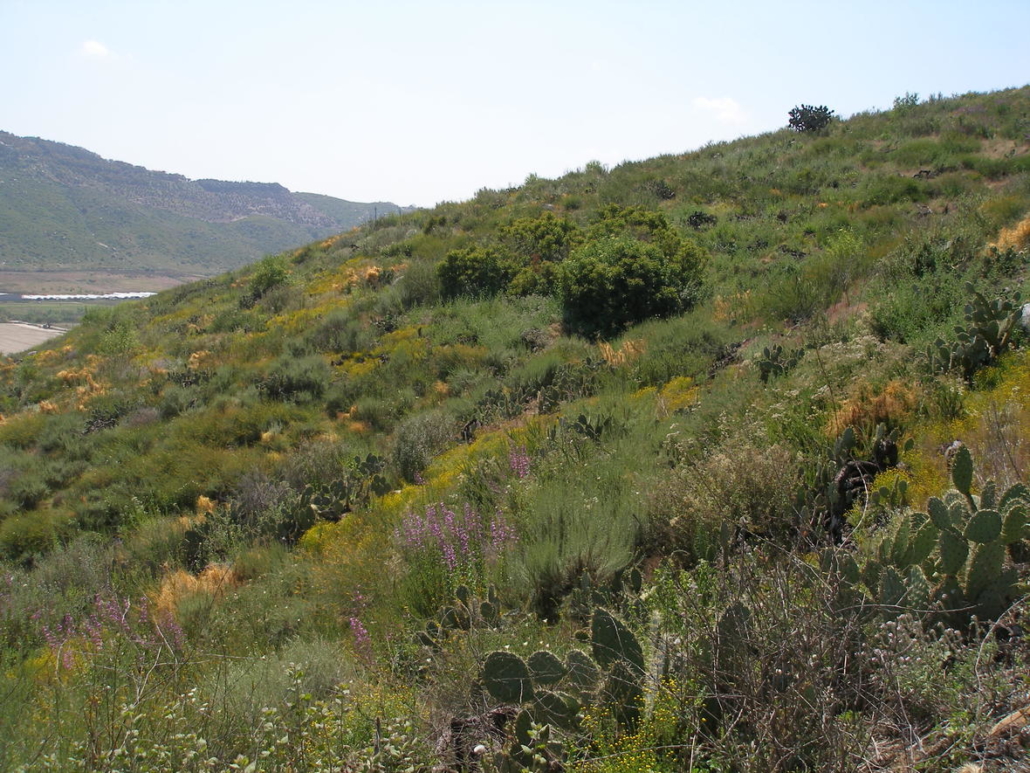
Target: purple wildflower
518	460
362	641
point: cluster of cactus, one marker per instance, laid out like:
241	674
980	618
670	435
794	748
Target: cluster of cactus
823	501
359	483
329	502
986	335
775	361
591	427
533	749
952	558
552	692
698	219
621	590
810	118
463	613
503	403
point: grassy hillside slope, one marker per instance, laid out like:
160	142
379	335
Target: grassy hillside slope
681	465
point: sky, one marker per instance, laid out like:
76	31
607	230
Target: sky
422	102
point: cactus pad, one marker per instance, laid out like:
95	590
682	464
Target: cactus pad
954	552
985	566
1012	495
506	677
962	471
892	587
940	514
984	526
1014	526
557	709
917	596
922	544
613	642
582	673
545	667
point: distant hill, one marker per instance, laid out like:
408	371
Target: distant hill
63	208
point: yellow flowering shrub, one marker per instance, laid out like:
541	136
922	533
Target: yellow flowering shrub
679	393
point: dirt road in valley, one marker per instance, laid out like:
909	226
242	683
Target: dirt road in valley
19	336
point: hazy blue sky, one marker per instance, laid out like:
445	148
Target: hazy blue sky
419	102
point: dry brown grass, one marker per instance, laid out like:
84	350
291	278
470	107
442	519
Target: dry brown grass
199	359
214	581
1017	237
630	351
870	406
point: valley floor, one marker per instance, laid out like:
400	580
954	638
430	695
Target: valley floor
98	282
19	336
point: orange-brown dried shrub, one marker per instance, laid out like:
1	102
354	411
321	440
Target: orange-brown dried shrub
870	406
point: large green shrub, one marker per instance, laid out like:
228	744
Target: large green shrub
546	238
475	272
271	272
616	281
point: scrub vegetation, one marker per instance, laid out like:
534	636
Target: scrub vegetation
711	462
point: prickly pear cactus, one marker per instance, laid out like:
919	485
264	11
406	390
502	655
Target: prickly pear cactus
552	691
612	641
507	678
774	361
545	667
986	335
954	557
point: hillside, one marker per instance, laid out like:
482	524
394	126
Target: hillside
711	462
64	209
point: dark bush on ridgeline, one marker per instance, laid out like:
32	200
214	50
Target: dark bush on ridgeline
807	118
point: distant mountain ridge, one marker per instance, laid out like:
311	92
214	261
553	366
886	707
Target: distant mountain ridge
66	208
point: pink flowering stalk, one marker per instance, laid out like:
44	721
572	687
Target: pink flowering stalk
462	542
362	640
518	461
111	622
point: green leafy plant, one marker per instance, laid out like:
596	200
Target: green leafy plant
617	281
271	272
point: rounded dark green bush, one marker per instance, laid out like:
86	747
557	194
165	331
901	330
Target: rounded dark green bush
475	272
616	281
